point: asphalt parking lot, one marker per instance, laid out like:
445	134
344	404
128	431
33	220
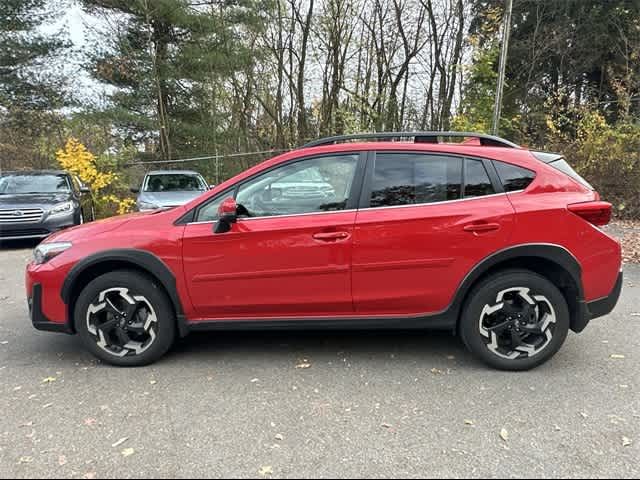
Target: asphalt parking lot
367	405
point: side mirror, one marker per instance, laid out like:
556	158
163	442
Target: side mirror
135	190
227	215
211	187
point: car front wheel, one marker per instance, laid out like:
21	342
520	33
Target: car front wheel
125	319
515	320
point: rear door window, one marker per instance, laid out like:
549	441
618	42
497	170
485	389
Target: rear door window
476	179
413	178
514	178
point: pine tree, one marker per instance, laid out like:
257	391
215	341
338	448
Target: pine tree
167	65
27	81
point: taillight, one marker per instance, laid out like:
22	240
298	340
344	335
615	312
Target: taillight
598	213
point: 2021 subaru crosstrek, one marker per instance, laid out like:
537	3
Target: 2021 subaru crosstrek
495	242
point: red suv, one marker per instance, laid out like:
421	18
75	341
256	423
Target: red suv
392	230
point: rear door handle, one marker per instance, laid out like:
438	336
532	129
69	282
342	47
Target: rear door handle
481	227
331	236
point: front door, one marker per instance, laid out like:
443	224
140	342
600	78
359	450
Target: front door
290	256
430	219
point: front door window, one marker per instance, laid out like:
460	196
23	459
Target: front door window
320	184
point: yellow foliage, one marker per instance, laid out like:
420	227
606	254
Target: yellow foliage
122	206
76	159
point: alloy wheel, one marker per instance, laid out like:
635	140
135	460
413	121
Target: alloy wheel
123	324
520	324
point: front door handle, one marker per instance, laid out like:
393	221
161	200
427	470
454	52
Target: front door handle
331	236
481	227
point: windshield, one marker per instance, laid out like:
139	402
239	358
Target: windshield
174	183
15	184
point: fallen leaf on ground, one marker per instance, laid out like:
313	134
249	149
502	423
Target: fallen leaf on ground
437	371
127	452
255	380
303	365
17	389
90	475
626	442
28	424
387	425
616	356
468	422
47	405
504	435
264	471
62	460
153	382
279	437
26	459
90	422
49	380
119	442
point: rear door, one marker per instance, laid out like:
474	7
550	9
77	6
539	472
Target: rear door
425	221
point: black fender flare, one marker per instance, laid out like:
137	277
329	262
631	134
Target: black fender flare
141	259
550	252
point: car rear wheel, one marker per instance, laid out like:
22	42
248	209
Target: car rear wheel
125	319
515	320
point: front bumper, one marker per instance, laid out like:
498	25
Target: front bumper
38	318
598	308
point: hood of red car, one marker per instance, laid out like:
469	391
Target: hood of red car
90	230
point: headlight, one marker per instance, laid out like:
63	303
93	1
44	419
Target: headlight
147	206
46	251
61	209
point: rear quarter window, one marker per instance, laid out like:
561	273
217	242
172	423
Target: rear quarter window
514	178
567	169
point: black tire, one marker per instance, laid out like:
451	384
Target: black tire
155	304
488	330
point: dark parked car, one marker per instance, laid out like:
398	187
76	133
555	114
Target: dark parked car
36	204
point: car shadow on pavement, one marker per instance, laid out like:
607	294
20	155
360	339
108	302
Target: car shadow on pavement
433	348
8	245
420	345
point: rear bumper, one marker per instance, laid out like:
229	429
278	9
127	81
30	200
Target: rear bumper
38	318
598	308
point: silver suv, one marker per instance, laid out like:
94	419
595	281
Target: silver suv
169	188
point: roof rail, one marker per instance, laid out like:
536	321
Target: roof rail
419	137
